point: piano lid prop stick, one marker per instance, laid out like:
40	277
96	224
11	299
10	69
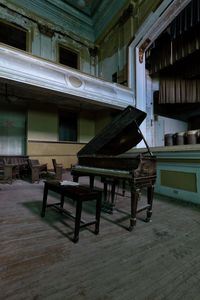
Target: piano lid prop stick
144	139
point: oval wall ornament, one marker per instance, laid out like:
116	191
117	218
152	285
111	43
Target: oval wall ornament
75	82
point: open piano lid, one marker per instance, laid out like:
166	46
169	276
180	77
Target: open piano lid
118	136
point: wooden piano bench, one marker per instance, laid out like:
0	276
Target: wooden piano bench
77	193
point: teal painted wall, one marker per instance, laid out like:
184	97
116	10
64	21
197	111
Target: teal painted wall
59	14
178	174
43	44
72	29
72	20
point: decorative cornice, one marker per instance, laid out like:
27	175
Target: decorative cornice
63	15
45	30
81	26
60	5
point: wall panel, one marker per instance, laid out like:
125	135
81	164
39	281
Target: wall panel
65	153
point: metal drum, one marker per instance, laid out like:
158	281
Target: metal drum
179	138
198	136
169	139
191	136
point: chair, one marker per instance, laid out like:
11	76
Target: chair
57	169
37	169
8	171
13	164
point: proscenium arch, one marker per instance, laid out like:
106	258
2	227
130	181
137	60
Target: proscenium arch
154	25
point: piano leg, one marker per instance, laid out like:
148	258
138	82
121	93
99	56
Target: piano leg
112	185
123	187
150	192
91	182
135	193
113	193
105	190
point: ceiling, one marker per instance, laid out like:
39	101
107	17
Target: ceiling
88	7
85	18
20	94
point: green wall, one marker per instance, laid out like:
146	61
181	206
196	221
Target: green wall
42	125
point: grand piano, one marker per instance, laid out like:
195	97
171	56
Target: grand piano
107	156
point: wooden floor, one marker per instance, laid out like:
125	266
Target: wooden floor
158	260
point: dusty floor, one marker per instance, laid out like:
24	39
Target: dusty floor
158	260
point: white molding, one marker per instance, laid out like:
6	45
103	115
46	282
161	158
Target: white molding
153	26
25	68
163	19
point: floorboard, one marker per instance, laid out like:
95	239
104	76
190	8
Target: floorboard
157	260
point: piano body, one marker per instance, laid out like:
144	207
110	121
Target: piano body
106	156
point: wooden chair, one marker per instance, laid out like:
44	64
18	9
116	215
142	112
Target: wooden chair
8	171
58	168
37	169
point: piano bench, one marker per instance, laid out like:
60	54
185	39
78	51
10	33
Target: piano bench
77	193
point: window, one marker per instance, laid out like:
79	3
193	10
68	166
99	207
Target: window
68	57
12	132
13	35
68	127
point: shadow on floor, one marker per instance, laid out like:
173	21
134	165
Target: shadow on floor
58	220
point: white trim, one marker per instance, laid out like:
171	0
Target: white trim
153	26
25	68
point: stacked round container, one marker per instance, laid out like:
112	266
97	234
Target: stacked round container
179	138
191	136
169	139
